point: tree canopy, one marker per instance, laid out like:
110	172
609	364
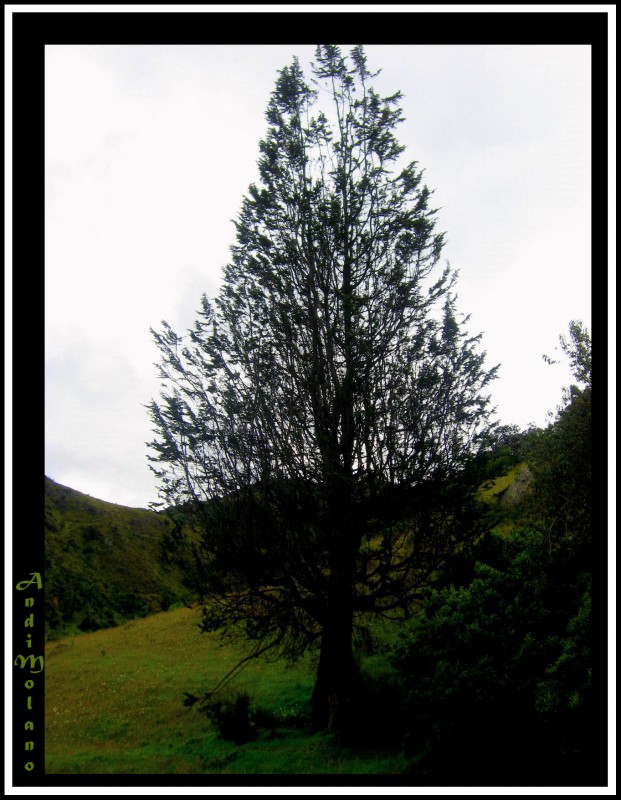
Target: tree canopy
316	424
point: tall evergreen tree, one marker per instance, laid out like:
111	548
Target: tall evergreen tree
316	423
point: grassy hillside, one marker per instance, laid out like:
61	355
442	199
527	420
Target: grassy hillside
114	704
507	489
102	564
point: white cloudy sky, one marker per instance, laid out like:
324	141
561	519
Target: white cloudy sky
149	150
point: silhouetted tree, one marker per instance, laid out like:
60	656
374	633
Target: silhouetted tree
316	423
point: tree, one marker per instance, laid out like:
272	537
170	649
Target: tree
579	352
561	455
503	451
512	650
316	424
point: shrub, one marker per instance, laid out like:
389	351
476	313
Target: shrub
230	715
490	669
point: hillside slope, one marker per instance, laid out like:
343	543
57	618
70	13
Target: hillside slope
102	563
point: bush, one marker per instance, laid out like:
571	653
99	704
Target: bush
230	715
492	668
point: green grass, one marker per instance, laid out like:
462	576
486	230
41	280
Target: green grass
114	704
492	489
510	508
114	697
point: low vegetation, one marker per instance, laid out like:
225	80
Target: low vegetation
102	563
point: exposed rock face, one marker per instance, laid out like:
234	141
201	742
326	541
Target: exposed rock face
514	493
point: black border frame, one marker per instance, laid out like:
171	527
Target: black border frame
31	31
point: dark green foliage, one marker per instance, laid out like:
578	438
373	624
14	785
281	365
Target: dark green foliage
237	719
230	715
506	448
377	721
561	457
316	425
498	674
499	671
102	563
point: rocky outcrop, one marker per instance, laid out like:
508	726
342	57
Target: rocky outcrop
517	489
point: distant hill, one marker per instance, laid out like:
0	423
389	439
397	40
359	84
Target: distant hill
102	563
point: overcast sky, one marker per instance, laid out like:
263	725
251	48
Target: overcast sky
149	150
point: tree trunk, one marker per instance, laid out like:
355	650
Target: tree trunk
336	684
335	691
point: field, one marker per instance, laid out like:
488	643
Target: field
115	696
114	704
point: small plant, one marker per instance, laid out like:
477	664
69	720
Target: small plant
230	715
